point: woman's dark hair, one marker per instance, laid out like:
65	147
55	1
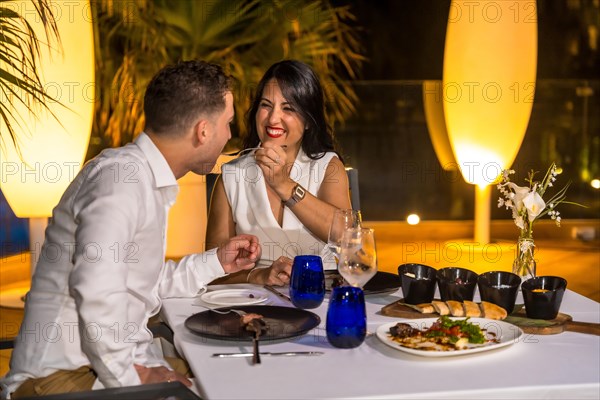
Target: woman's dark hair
179	94
302	89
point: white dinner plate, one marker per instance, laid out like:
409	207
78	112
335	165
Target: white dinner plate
506	334
235	297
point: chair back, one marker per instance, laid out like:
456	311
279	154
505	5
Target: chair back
353	185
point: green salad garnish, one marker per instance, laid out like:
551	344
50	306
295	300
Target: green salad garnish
455	330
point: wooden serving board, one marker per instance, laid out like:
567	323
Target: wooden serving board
563	322
401	310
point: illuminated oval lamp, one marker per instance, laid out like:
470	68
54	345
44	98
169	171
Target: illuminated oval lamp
489	76
595	183
436	124
52	148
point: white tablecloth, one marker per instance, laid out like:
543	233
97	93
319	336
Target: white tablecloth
552	367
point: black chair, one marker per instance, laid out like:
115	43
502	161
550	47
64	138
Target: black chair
354	190
6	343
155	391
211	179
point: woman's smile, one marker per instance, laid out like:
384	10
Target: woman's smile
274	133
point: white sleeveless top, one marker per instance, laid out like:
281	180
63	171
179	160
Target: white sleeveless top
247	195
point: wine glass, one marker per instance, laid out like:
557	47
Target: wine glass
358	256
346	324
342	219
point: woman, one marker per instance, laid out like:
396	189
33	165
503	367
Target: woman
286	190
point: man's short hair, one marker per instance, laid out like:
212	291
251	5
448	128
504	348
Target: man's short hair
180	94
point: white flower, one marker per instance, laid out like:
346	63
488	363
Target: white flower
534	204
526	203
519	222
518	194
506	173
515	212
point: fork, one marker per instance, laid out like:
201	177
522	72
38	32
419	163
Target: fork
256	330
248	150
242	152
231	310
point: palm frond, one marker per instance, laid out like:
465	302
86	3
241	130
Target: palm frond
20	50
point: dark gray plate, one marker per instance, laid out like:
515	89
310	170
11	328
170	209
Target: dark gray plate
382	282
282	322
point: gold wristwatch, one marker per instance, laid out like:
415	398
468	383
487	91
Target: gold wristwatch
298	194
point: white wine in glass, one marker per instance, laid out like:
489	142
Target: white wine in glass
342	219
358	256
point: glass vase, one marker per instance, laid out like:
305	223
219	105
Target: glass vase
524	264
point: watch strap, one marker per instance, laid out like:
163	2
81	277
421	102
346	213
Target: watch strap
298	194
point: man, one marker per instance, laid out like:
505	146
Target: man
101	273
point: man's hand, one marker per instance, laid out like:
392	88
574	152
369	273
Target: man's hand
160	374
240	252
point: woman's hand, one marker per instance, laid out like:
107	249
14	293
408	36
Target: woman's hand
278	274
273	162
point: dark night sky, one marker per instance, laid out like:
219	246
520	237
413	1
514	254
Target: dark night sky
404	39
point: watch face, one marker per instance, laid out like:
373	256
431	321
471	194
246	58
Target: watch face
299	192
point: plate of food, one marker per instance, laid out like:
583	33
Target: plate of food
235	297
278	322
382	282
446	336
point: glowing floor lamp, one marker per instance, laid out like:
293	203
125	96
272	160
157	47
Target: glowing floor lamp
52	148
436	124
489	75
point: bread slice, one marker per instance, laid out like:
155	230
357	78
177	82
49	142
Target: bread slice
472	309
456	308
426	308
492	311
440	307
414	307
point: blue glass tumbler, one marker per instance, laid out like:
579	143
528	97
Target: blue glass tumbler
307	282
346	317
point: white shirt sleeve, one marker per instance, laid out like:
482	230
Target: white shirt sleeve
190	275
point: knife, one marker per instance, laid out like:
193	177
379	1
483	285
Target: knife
268	354
277	292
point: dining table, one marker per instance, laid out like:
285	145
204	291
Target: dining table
558	366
